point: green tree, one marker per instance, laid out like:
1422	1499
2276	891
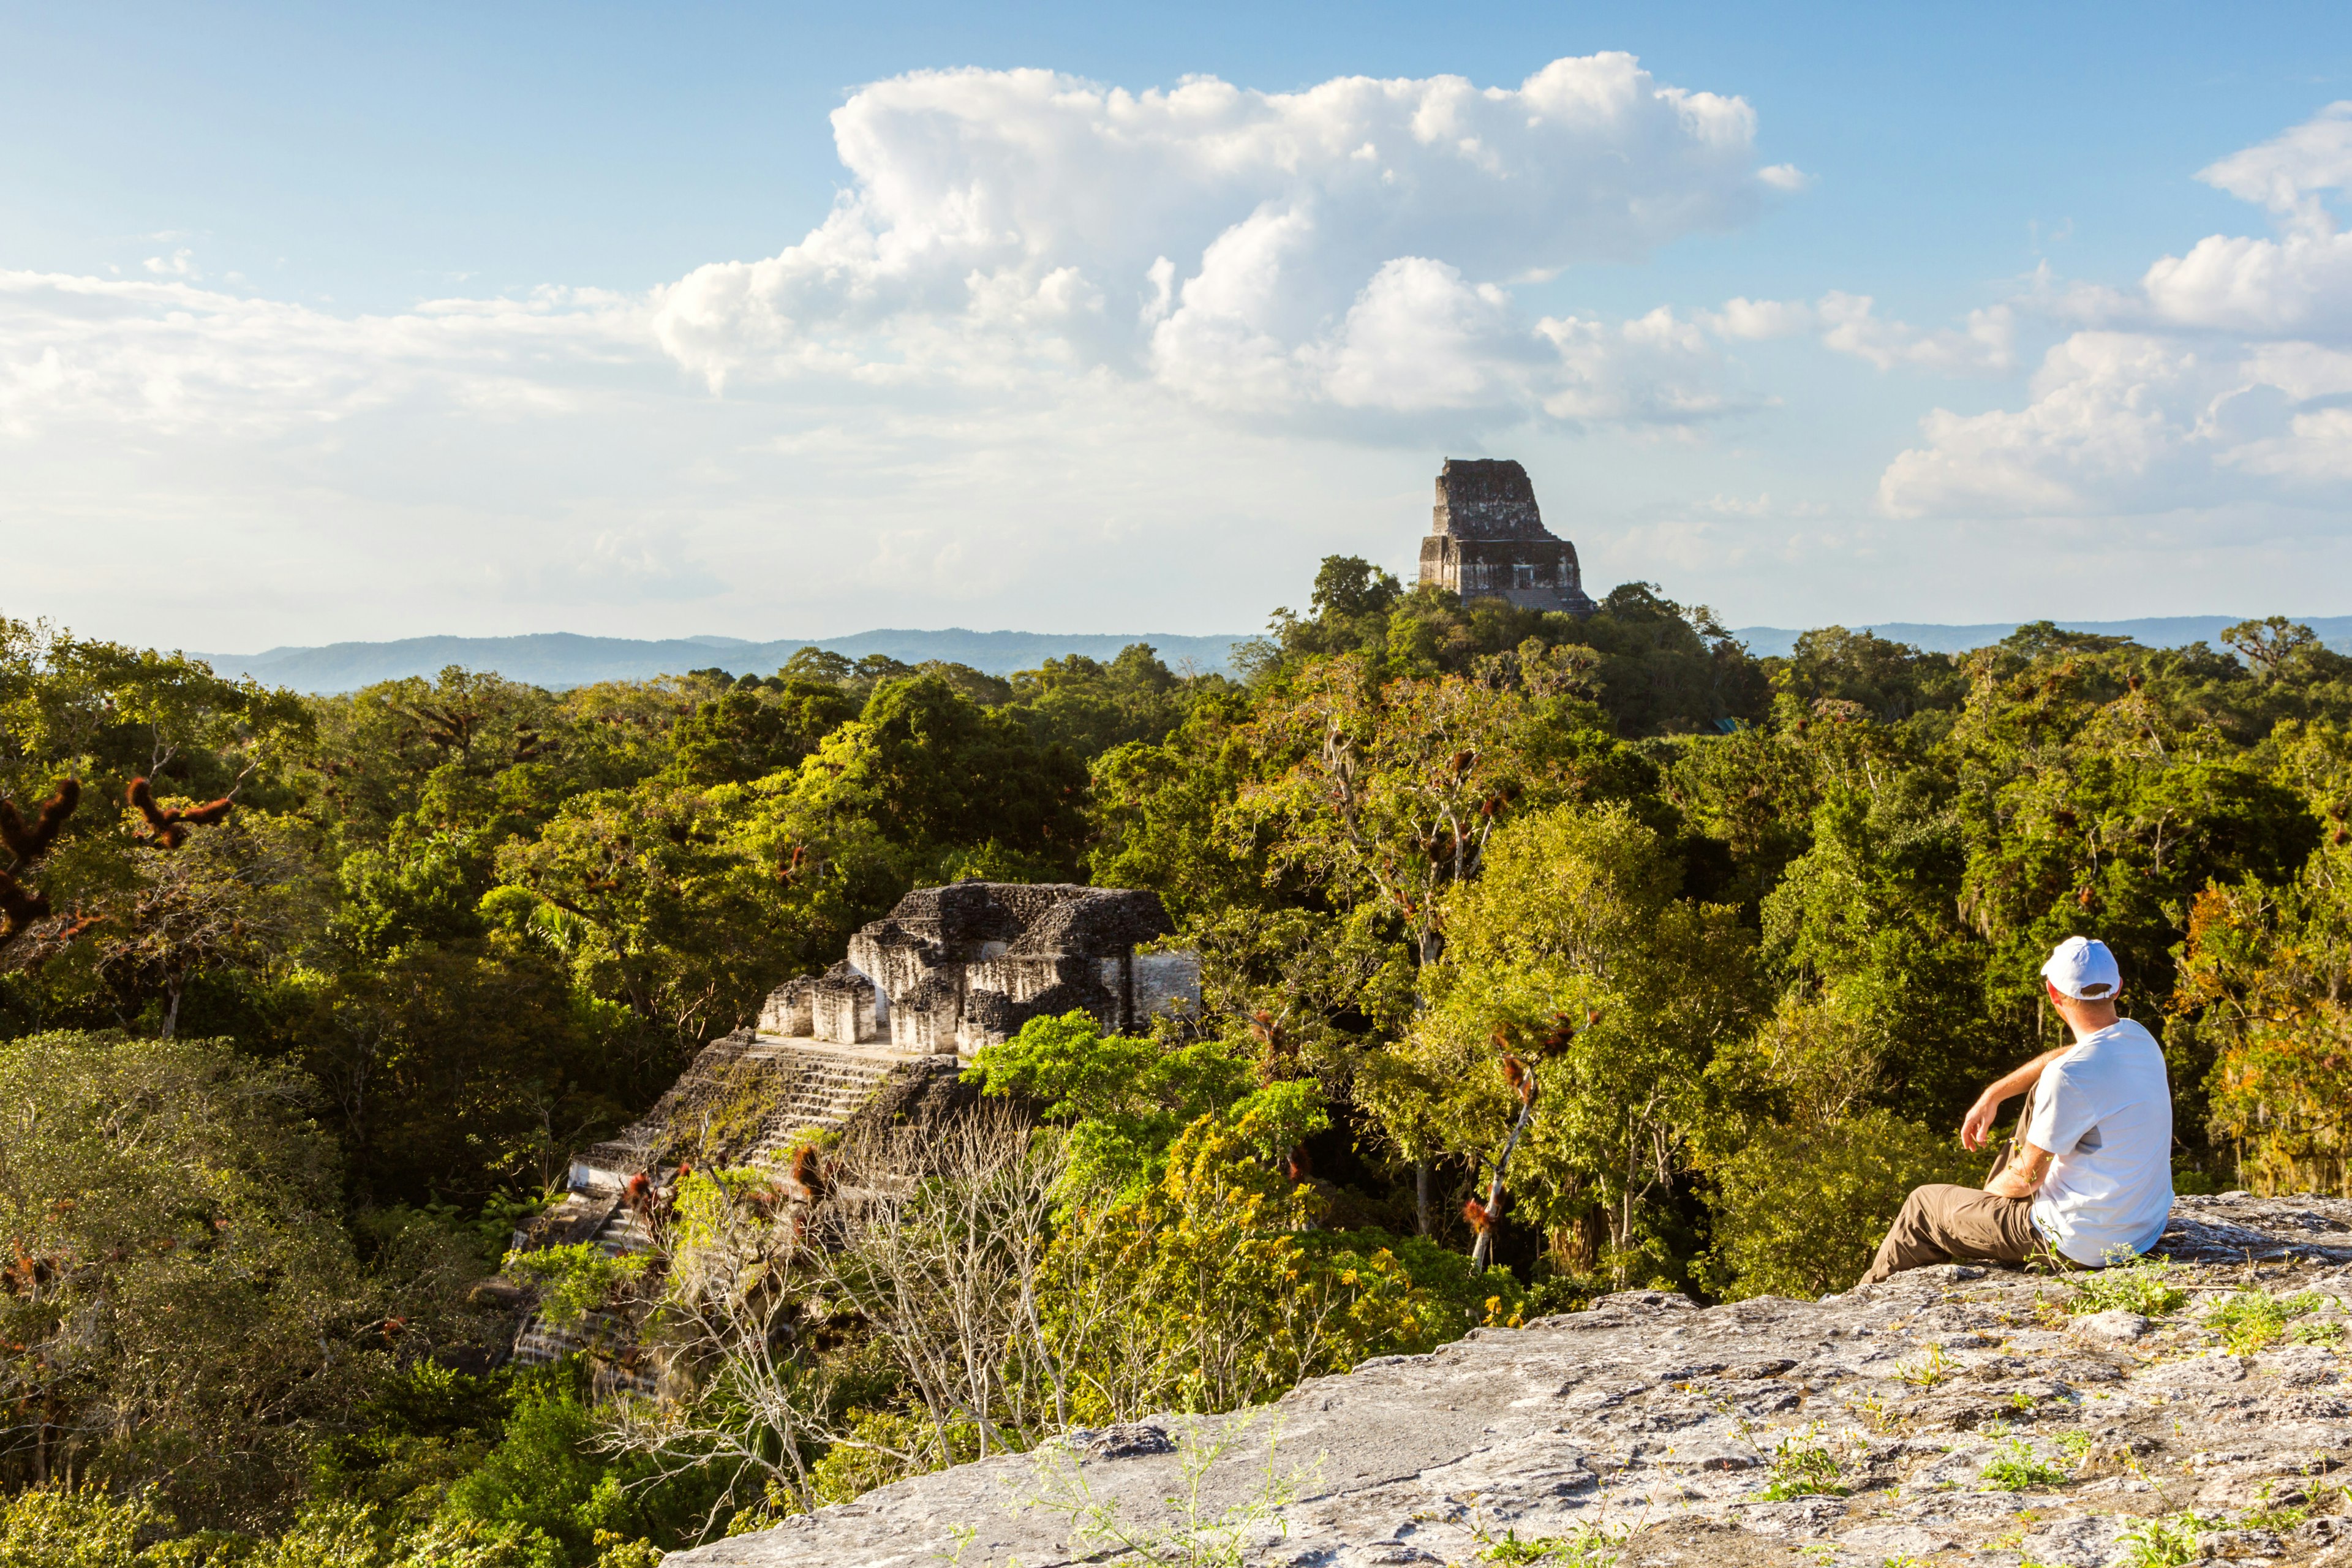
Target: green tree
1576	917
1385	790
1090	707
184	1309
1890	681
2264	1003
668	919
930	769
750	732
1125	1098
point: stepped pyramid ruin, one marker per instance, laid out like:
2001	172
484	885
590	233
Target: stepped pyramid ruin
1487	540
946	972
885	1032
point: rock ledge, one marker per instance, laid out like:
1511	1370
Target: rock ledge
1964	1416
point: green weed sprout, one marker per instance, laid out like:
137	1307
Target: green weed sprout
2168	1541
2276	1518
2130	1284
1933	1368
2254	1318
2017	1470
1802	1466
1583	1547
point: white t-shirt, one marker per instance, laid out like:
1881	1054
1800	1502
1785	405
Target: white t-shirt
2105	1112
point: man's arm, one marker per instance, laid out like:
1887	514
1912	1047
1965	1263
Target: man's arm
2022	1177
1977	1126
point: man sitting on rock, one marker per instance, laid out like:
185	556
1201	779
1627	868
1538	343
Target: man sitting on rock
2088	1177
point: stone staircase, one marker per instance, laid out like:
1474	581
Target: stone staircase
810	1086
825	1087
621	1230
628	1371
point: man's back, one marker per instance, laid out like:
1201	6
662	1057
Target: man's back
2105	1112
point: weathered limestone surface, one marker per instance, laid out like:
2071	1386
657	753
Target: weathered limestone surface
1487	539
1653	1420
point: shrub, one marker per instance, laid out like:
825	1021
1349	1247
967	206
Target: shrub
575	1280
1211	1291
548	1496
1800	1210
329	1535
71	1527
204	1315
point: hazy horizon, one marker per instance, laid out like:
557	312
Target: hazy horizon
564	658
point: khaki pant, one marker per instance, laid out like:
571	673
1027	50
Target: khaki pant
1944	1223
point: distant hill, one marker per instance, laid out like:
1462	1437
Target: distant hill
2158	631
563	659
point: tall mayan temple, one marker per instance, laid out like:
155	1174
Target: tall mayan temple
1487	540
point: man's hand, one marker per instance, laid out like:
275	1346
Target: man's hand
2022	1177
1976	1125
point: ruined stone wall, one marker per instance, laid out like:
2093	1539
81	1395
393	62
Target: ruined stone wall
840	1007
965	966
790	1010
1166	982
844	1010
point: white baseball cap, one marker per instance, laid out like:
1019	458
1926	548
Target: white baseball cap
2084	968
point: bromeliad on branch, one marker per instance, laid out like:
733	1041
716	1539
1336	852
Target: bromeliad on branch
21	907
167	826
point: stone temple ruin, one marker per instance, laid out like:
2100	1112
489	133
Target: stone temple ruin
883	1035
946	972
965	966
1487	540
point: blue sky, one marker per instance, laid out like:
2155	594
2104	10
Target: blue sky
421	319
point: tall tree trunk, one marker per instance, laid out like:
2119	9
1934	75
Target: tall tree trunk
1421	1196
1483	1250
171	1008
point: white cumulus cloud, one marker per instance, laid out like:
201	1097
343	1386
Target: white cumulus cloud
1339	258
1351	247
2222	379
1234	323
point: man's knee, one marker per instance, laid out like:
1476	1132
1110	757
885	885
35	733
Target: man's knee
1925	1201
